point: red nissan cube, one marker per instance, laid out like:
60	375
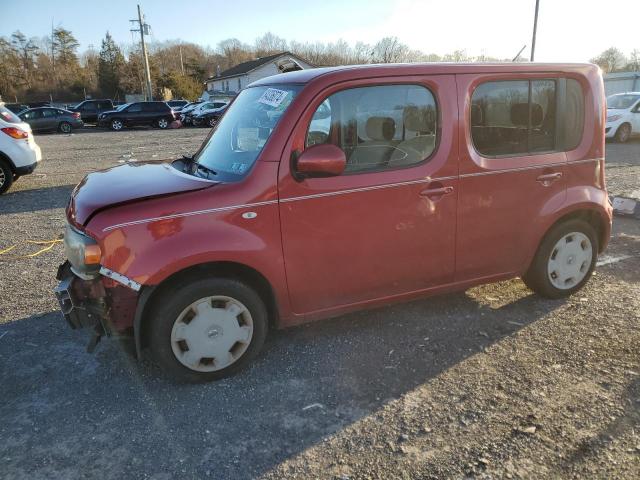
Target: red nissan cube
330	190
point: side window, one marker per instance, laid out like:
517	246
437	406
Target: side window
48	113
573	114
135	107
513	117
378	128
89	107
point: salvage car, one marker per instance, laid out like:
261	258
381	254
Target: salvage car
623	116
209	117
19	152
51	119
325	191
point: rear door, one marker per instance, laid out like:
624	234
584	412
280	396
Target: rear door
511	169
49	119
386	226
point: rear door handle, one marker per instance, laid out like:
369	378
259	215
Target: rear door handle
436	192
548	178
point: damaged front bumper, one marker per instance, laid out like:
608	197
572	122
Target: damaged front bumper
100	303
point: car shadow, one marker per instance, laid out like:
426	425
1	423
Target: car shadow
110	416
45	198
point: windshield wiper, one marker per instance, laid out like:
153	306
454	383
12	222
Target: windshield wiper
209	171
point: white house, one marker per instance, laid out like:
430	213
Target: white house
236	78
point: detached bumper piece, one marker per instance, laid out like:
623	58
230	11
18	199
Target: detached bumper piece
83	303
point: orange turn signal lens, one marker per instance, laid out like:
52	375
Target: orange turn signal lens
92	254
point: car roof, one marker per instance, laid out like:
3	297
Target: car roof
393	69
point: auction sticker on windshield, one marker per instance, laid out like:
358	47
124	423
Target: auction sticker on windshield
273	97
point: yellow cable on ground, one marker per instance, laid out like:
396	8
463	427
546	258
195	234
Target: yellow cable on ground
50	244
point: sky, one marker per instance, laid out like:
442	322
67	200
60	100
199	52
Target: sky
568	30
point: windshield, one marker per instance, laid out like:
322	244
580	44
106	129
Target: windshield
621	101
122	107
243	131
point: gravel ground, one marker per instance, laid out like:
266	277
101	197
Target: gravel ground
493	382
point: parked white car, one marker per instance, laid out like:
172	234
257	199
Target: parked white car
623	116
19	153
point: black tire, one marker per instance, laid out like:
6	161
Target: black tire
6	176
212	122
623	133
116	124
167	310
64	127
163	123
538	278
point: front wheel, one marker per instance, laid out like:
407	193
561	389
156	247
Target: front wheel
564	261
6	176
64	127
212	122
116	125
623	133
207	329
162	123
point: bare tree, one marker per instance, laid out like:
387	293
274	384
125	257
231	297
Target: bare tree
268	44
610	60
390	50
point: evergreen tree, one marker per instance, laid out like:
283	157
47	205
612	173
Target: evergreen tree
110	67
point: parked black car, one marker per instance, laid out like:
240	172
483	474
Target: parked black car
157	114
51	118
208	118
90	109
16	107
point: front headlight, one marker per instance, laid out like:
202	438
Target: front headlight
613	118
82	251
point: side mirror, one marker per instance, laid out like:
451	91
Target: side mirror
323	160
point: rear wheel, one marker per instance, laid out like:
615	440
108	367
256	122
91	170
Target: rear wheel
212	122
64	127
162	123
207	329
623	133
564	261
6	176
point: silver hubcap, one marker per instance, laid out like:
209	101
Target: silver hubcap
212	122
212	333
162	123
117	125
2	177
570	260
66	128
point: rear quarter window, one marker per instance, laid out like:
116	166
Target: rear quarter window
8	116
574	114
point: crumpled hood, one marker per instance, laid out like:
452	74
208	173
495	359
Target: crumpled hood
127	183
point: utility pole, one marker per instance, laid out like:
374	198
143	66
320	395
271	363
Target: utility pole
535	27
181	63
144	30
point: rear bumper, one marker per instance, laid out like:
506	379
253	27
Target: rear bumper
26	169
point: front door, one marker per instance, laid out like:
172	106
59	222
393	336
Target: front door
133	114
387	225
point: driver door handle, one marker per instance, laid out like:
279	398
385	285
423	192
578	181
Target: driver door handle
436	192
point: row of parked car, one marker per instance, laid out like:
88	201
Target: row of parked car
174	113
